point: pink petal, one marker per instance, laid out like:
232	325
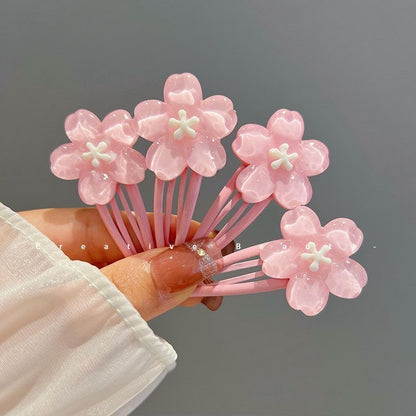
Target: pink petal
286	126
252	144
344	235
219	116
347	279
66	161
182	89
293	190
129	166
119	126
82	126
165	158
255	183
300	222
314	157
152	119
307	294
96	188
279	259
206	156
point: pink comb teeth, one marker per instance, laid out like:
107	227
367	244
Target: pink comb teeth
245	283
185	130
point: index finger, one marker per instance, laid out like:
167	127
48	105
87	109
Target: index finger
82	235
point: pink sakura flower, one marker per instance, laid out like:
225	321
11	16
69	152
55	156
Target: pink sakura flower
185	129
279	162
315	259
100	155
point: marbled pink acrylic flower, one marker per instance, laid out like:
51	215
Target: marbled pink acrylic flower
100	155
315	259
185	129
279	162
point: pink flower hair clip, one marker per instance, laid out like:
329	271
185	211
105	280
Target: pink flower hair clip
310	262
276	164
185	130
102	158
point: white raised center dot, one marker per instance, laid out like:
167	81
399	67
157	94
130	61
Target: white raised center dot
316	256
282	157
184	125
96	153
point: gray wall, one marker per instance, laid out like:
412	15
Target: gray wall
349	68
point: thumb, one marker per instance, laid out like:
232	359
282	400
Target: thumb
158	280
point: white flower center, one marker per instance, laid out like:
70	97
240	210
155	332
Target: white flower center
184	125
316	256
281	157
96	153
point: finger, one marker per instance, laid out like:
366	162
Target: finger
211	302
160	279
82	235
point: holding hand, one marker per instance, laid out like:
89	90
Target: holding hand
154	281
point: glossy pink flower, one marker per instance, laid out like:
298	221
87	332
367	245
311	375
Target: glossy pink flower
100	155
185	129
315	259
279	162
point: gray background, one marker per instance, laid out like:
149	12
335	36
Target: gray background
349	68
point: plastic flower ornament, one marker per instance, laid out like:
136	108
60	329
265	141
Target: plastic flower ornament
279	162
100	155
315	259
185	129
276	165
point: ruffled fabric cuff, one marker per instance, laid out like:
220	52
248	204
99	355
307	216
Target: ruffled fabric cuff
70	342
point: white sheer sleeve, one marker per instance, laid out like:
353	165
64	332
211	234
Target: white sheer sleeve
70	342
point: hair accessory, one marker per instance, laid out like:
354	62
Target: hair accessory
101	156
310	261
186	132
276	165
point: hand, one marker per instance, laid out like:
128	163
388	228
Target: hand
153	281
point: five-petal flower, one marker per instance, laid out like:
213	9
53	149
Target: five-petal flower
315	259
278	161
100	155
185	129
